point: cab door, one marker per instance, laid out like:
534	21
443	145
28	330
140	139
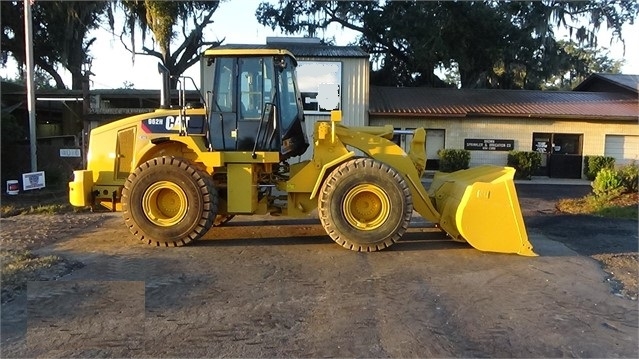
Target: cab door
250	102
255	92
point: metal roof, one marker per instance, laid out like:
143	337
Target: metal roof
305	49
627	82
421	102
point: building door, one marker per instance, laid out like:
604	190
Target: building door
565	158
542	143
562	154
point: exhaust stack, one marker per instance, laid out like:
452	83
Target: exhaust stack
165	92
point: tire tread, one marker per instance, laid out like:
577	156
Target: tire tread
332	182
207	191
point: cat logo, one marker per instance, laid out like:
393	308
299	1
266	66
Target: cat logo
174	123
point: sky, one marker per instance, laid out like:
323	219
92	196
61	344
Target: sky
235	23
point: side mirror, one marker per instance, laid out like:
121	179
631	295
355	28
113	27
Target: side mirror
280	62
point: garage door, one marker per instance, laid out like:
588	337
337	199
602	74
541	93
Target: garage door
624	148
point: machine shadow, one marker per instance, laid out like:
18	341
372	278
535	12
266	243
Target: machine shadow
288	232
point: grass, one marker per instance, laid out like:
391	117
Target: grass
624	206
15	210
15	262
19	266
44	201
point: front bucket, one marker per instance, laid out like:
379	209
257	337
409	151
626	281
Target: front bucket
480	206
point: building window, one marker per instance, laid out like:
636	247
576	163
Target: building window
320	84
566	144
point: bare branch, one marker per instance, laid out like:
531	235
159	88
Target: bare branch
152	52
133	52
194	36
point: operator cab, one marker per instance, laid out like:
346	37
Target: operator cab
255	104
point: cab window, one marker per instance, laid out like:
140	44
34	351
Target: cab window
223	91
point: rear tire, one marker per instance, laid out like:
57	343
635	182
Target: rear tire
222	219
365	205
168	202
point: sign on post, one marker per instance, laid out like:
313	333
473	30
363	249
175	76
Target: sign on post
33	180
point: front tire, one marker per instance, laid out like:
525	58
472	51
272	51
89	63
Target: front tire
168	202
365	205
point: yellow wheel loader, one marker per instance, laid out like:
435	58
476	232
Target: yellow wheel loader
177	172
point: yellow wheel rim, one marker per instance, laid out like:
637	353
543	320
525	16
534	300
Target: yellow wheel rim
164	203
366	207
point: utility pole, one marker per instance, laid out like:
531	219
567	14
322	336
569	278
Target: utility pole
28	30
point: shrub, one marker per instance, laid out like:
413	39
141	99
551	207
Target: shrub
594	164
525	163
629	177
453	160
608	183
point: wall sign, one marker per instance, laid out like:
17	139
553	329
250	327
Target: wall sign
70	152
474	144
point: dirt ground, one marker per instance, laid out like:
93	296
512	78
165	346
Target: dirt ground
614	243
270	287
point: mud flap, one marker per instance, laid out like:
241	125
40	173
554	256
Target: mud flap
480	206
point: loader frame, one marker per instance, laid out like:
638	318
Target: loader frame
172	186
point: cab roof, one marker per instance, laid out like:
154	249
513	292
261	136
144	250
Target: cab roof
247	50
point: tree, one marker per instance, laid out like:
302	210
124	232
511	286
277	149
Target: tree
127	85
161	18
41	79
60	31
576	63
492	44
